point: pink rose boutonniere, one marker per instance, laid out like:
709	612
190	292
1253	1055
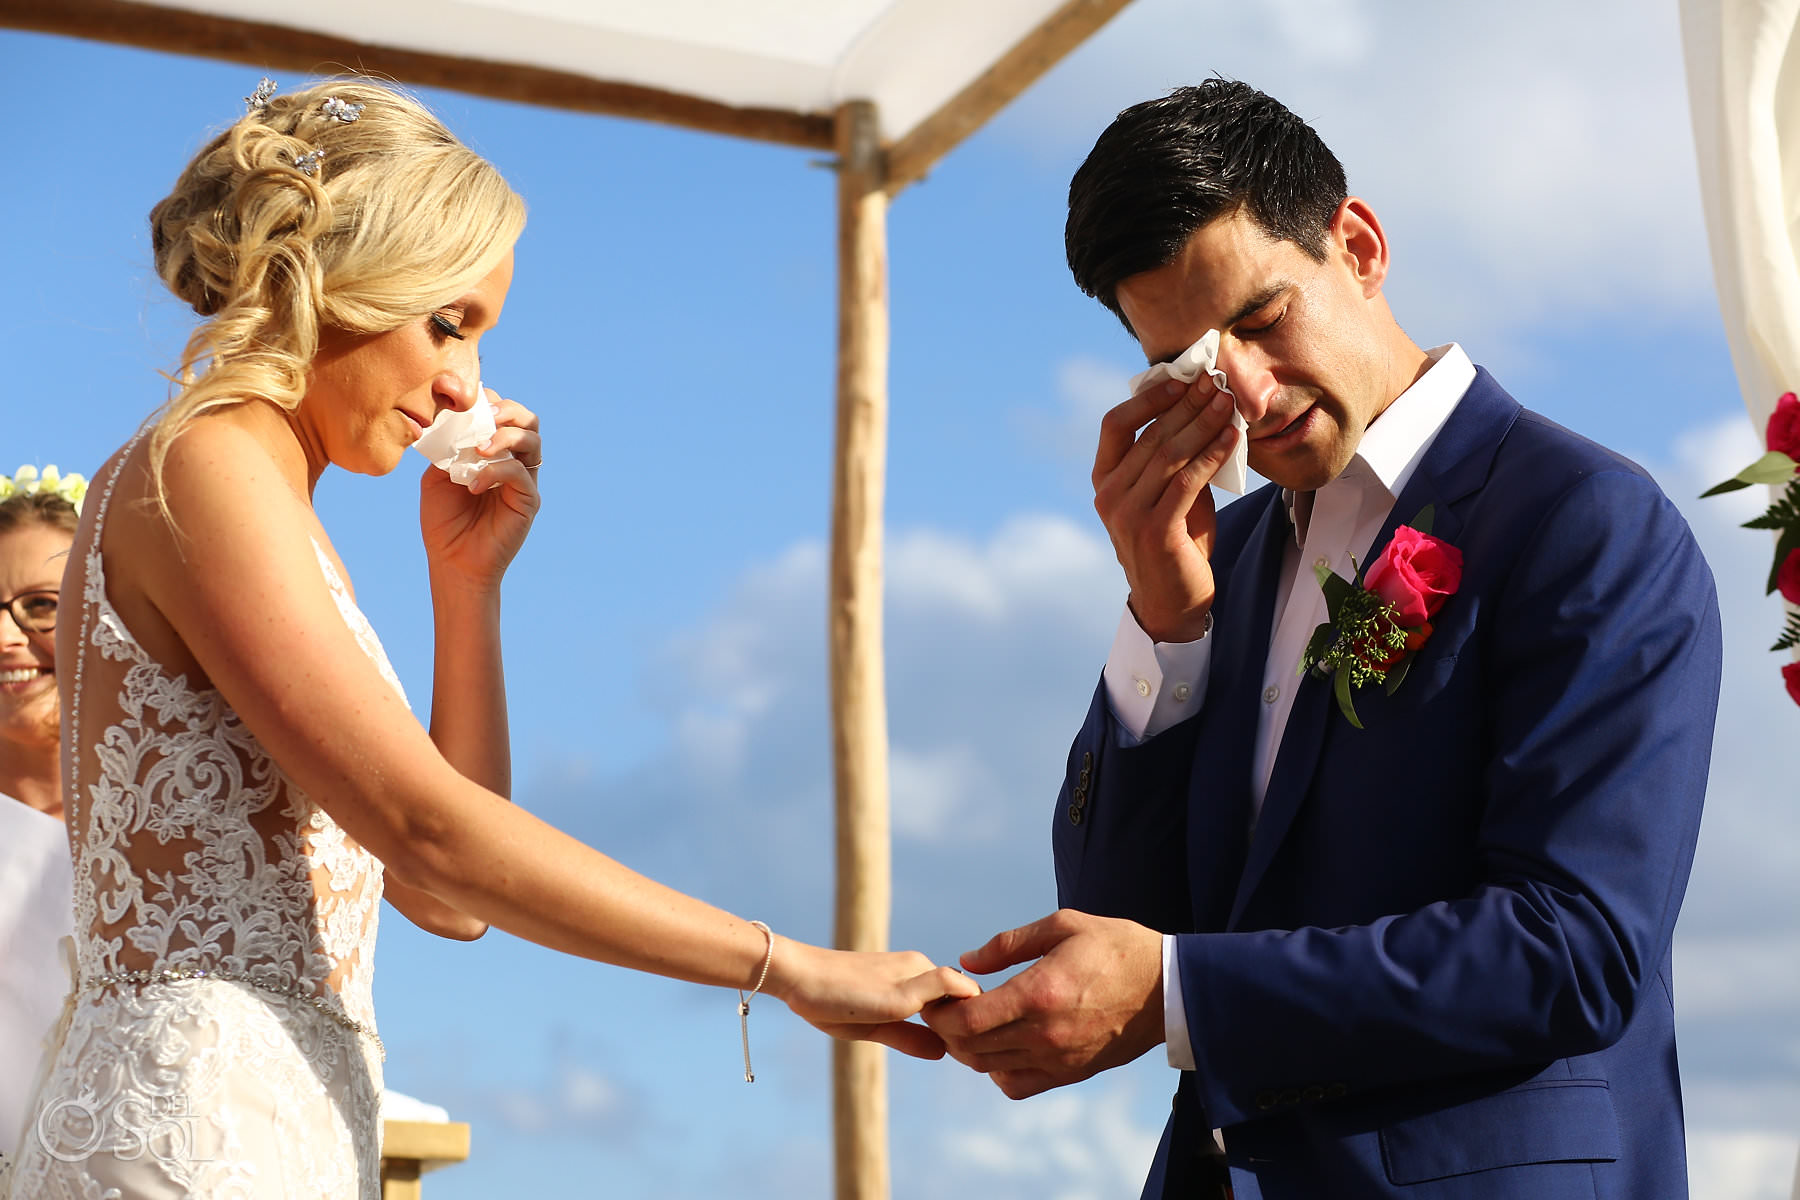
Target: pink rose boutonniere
1377	621
1780	465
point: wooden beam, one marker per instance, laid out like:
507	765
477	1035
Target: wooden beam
276	47
411	1148
1063	30
858	681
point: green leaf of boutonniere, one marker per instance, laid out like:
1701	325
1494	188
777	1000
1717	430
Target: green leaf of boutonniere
1337	590
1397	675
1363	641
1340	685
1773	467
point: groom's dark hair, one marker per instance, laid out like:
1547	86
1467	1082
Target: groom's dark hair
1167	167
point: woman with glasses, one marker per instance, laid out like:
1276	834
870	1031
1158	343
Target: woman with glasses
38	513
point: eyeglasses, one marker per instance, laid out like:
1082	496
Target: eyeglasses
33	612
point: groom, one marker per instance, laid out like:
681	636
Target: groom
1427	957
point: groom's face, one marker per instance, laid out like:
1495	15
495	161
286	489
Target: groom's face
1296	338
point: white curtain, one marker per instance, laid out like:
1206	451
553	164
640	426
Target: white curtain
1743	69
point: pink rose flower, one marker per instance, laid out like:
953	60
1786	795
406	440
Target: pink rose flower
1784	426
1787	580
1415	574
1790	675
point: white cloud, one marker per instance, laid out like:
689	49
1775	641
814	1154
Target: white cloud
1086	389
1742	1166
1523	176
993	646
572	1099
1092	1141
1074	1145
1726	976
935	790
1336	32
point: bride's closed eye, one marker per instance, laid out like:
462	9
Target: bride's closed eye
444	327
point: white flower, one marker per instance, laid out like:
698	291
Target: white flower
28	480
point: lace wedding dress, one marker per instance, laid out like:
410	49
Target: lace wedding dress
220	1043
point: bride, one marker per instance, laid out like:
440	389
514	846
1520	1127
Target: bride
243	778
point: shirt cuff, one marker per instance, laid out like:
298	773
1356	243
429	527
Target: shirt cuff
1151	686
1175	1027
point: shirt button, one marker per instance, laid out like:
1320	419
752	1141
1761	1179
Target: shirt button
1271	694
1183	691
1143	687
1321	562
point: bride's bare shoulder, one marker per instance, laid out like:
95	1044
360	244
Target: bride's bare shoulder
246	445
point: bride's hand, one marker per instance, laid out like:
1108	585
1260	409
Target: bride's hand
866	997
475	533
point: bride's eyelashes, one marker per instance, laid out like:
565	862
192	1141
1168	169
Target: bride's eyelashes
444	327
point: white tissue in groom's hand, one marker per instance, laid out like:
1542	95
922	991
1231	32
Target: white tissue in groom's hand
1203	355
451	440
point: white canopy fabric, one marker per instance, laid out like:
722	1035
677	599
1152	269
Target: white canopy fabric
1743	68
909	57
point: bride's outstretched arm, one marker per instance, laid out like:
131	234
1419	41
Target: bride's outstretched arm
243	591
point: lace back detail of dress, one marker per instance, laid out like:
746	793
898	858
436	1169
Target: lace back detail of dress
193	850
221	1041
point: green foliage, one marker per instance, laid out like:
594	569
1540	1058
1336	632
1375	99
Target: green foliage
1790	637
1773	467
1783	516
1360	642
1782	513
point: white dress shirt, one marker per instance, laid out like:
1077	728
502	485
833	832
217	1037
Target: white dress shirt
1151	686
36	917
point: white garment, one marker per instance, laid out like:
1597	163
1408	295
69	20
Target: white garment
1331	525
1741	60
196	854
34	977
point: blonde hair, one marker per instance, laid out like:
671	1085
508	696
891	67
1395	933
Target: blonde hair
399	219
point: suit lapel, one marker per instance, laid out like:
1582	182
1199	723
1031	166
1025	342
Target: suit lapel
1452	470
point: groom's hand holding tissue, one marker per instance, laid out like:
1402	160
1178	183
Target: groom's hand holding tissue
1157	453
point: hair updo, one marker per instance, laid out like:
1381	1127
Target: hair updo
398	219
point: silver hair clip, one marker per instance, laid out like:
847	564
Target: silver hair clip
308	164
341	110
259	99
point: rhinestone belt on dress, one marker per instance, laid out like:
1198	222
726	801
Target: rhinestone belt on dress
290	991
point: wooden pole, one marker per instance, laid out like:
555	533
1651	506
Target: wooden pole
858	684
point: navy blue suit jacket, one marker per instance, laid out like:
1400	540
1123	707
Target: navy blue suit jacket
1439	967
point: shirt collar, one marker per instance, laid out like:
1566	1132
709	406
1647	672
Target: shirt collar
1395	443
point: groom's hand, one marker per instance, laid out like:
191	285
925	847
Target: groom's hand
1150	492
1092	1000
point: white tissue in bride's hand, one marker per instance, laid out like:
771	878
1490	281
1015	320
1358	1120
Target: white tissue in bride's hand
1203	355
451	440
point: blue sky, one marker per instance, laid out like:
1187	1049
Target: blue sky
672	320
